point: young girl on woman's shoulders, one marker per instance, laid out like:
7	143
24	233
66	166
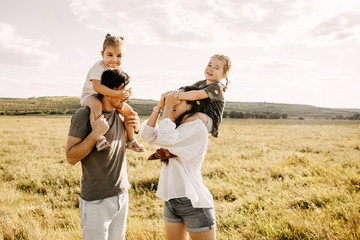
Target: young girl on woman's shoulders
217	69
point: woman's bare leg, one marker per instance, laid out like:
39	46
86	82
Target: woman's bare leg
176	231
207	235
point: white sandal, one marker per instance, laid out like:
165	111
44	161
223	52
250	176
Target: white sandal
130	145
102	144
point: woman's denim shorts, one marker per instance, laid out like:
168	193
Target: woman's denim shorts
209	124
180	210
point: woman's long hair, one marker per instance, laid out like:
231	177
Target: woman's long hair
196	106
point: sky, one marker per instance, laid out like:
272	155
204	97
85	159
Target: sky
297	52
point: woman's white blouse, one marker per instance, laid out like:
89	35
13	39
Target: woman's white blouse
182	176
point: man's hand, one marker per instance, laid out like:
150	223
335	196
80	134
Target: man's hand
133	121
78	148
99	126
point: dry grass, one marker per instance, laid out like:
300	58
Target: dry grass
270	180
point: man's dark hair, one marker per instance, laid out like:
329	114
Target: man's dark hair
113	78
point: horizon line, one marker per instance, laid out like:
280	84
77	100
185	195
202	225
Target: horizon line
265	102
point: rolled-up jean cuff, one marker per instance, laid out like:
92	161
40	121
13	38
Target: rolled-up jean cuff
191	230
202	229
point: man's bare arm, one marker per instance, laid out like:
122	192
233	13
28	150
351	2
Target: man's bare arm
78	148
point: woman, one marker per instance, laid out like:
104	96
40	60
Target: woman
188	204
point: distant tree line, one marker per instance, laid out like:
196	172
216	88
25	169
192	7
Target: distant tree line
256	115
355	116
68	106
276	115
146	109
37	112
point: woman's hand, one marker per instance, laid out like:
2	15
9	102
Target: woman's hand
170	101
158	108
161	103
171	98
163	98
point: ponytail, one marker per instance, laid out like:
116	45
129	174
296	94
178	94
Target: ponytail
227	67
112	41
226	85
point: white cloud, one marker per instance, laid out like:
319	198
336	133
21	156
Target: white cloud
20	51
339	28
208	23
283	63
343	50
150	85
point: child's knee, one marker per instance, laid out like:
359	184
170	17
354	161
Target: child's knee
94	104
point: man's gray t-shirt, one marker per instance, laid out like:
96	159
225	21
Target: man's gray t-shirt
104	173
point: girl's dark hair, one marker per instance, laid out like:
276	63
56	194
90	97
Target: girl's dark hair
113	78
112	41
196	106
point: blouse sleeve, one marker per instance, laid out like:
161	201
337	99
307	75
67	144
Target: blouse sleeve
186	144
149	134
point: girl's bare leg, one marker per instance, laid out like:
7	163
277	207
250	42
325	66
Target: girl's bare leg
131	141
95	105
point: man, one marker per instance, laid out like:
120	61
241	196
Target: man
104	184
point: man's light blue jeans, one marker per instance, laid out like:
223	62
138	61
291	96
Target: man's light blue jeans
104	219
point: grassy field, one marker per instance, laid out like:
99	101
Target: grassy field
277	179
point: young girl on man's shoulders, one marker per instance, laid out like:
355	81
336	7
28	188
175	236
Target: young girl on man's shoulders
112	53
